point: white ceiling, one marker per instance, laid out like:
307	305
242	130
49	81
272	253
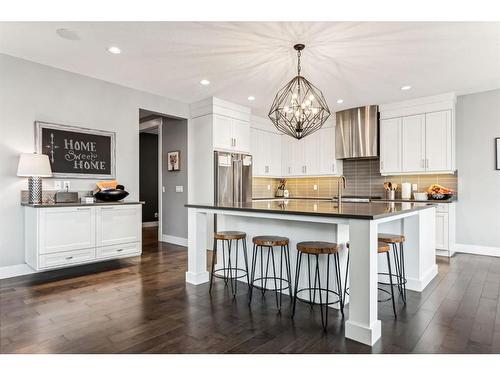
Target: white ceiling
360	62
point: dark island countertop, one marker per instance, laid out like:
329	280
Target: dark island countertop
79	204
311	207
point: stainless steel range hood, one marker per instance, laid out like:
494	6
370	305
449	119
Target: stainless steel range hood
356	134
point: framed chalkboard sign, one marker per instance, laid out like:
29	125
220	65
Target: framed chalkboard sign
76	152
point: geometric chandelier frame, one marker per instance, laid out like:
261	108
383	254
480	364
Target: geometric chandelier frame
299	108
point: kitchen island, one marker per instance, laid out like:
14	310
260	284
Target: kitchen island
321	220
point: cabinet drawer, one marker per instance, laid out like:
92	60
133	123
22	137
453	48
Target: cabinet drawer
442	207
118	250
66	258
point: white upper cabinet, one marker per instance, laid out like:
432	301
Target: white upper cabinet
266	153
231	134
390	146
438	137
413	136
418	136
328	165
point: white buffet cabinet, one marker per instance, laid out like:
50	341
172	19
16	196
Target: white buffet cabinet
59	236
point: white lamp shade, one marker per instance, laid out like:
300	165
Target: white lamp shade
34	165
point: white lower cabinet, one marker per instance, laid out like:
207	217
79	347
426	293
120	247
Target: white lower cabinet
445	229
58	237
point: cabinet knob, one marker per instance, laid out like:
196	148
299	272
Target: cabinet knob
119	250
70	257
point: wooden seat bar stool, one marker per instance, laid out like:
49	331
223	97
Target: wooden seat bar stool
396	241
260	245
315	250
229	271
382	248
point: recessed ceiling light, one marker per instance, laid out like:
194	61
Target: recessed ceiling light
68	34
205	82
406	87
251	98
340	101
114	50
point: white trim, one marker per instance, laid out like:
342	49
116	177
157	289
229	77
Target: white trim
181	241
160	180
420	285
477	249
366	335
197	278
147	224
15	270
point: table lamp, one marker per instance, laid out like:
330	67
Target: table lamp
34	166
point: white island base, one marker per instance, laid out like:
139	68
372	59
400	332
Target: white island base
363	325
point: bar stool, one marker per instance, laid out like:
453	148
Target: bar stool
381	249
229	271
315	249
260	243
399	260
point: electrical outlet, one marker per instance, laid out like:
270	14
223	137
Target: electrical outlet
156	215
414	187
163	189
268	187
66	185
179	189
57	185
315	187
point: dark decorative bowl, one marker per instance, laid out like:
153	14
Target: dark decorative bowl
440	197
111	195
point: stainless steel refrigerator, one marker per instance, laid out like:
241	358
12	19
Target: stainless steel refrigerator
233	178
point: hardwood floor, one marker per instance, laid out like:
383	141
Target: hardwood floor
143	305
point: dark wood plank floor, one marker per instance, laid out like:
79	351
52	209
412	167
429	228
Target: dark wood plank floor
143	305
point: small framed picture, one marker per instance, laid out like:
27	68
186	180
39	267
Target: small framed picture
173	161
497	143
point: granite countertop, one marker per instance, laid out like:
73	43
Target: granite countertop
435	201
79	204
318	207
321	198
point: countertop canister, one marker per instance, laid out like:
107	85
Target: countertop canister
405	190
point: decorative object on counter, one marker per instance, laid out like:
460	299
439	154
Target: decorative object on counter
66	197
390	190
438	192
87	200
497	142
420	196
286	193
34	166
280	191
76	152
405	190
299	108
110	192
173	161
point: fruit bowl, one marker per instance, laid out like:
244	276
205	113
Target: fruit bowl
440	197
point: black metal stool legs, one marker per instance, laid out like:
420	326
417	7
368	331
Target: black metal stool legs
390	282
212	271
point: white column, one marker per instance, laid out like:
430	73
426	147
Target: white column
420	249
363	325
197	247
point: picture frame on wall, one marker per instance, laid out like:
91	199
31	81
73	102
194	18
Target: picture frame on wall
76	152
173	161
497	148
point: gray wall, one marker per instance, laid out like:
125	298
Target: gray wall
174	213
29	92
478	207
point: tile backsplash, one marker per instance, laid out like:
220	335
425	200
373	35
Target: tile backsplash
363	179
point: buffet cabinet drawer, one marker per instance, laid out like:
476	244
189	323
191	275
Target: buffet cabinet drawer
66	258
118	250
443	207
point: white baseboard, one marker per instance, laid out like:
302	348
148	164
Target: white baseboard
175	240
146	224
419	285
477	249
15	270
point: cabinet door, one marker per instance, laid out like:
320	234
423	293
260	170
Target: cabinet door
413	143
68	228
442	229
327	162
222	133
311	154
438	153
286	155
241	135
274	146
118	224
390	146
298	159
256	151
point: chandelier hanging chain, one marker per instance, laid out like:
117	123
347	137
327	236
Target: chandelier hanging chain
298	62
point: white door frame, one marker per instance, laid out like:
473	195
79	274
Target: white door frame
160	173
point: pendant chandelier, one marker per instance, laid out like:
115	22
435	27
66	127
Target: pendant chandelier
299	108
